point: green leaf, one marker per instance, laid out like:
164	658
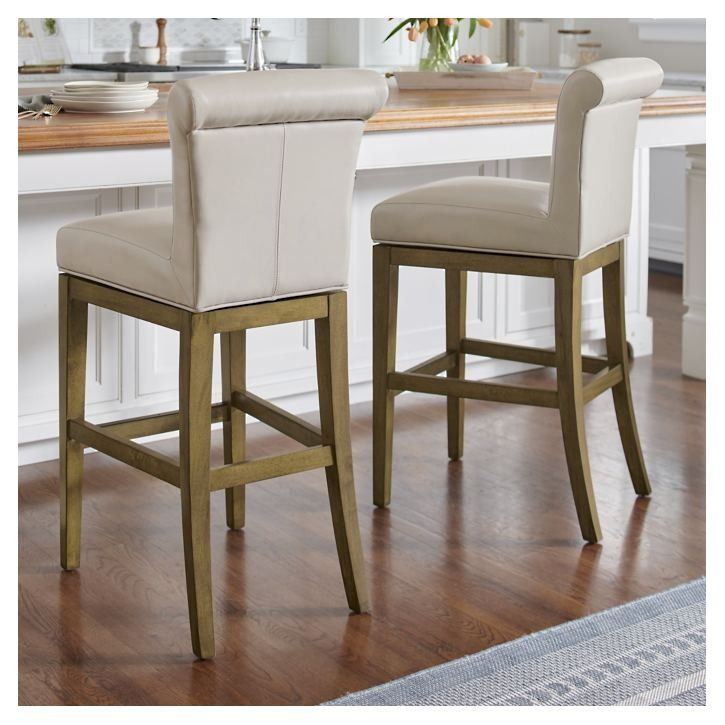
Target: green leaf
398	27
472	27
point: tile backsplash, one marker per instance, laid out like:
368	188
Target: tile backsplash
120	33
98	39
334	41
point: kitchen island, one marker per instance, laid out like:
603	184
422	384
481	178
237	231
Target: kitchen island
78	165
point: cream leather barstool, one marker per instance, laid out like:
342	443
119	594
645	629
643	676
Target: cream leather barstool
263	172
562	230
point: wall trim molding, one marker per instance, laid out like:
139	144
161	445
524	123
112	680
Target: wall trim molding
667	242
671	30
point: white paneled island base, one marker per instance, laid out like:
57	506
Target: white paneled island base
132	365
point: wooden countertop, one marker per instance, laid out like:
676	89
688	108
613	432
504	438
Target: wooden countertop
404	110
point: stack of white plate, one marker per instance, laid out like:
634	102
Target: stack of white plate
105	96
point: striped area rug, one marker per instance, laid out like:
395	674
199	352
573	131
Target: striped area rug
647	652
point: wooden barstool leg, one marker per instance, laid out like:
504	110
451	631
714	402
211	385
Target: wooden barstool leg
73	329
568	308
455	332
233	354
195	373
332	378
385	317
615	330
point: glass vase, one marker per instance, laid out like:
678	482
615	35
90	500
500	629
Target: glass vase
439	48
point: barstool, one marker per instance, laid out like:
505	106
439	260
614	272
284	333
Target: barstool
263	173
562	230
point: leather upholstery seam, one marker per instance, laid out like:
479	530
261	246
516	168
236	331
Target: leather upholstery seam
464	206
478	250
194	246
279	209
120	239
178	281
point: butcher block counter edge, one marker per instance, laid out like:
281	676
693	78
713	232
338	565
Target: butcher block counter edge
405	110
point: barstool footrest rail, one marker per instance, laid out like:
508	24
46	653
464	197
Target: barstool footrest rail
115	440
423	378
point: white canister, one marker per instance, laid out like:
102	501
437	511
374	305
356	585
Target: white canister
588	53
569	38
148	54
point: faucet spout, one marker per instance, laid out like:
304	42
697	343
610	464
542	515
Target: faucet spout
255	55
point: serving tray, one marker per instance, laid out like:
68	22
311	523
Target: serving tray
512	79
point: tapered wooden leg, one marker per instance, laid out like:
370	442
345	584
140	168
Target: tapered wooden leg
195	372
455	332
568	307
332	378
72	331
233	354
614	323
385	316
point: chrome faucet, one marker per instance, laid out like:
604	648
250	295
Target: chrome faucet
255	55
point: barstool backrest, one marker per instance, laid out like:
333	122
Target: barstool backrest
263	172
596	124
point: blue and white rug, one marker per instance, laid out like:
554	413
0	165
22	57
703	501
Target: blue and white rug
647	652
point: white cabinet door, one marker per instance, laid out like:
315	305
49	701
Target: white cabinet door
376	51
39	218
421	308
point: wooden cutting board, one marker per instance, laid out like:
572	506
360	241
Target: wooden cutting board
512	79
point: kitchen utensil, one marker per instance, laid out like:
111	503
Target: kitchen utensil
161	42
49	109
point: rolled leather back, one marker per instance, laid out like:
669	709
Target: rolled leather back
263	172
596	125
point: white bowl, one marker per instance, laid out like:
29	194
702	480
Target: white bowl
479	67
276	50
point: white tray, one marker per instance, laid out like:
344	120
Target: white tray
513	79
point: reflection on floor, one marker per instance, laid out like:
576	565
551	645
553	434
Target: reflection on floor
469	554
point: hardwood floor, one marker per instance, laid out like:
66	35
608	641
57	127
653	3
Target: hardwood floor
470	554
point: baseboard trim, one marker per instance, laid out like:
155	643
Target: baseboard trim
665	267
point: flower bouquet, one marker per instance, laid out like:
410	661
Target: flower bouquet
440	39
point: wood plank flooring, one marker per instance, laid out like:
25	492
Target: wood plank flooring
470	554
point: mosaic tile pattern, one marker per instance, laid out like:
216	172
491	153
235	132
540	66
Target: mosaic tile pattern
123	33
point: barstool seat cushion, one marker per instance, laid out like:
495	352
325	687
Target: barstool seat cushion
133	250
130	250
472	212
